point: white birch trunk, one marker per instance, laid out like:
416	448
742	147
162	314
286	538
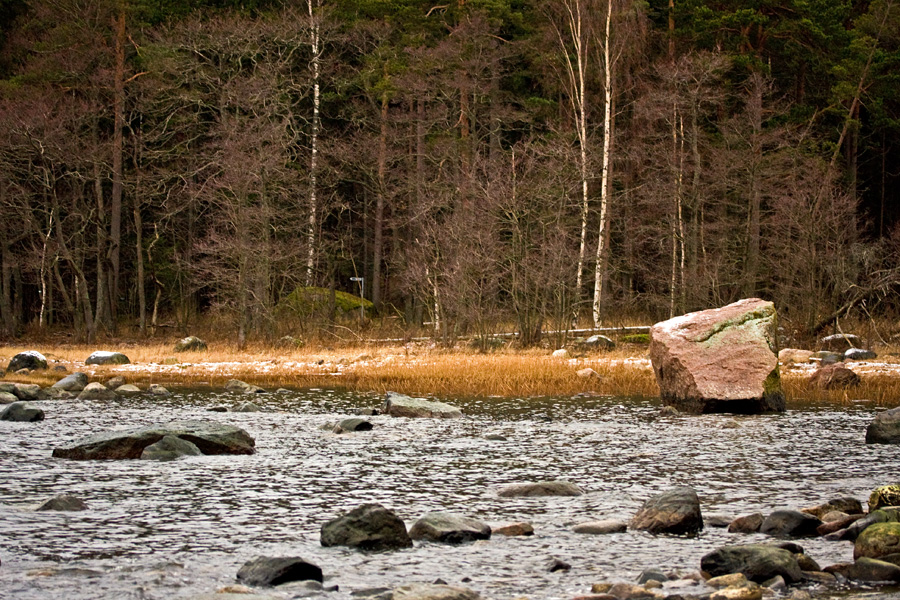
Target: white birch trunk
577	80
604	173
42	315
312	225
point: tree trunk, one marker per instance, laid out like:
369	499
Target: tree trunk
139	238
600	266
115	225
313	219
6	297
378	234
101	313
82	294
751	266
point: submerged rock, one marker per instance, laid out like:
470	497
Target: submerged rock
429	591
513	529
63	502
540	488
355	424
757	562
22	412
30	359
790	523
209	437
103	357
449	528
400	405
602	527
719	360
170	448
367	527
265	570
676	511
248	407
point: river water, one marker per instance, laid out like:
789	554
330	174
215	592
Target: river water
183	528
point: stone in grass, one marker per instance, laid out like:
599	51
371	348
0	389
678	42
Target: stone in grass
30	359
367	527
270	571
170	448
103	357
833	377
63	502
859	354
449	528
676	511
540	488
401	405
114	382
22	412
190	344
840	341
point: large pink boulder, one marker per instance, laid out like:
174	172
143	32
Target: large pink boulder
719	360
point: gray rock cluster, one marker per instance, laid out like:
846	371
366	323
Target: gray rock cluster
207	437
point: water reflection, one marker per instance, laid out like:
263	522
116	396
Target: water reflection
169	530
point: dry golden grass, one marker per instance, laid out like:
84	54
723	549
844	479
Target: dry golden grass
419	369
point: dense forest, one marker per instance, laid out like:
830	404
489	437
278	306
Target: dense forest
470	165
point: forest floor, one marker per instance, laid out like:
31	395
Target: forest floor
428	369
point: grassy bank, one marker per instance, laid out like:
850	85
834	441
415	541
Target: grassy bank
422	369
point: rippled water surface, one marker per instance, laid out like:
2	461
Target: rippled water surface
178	529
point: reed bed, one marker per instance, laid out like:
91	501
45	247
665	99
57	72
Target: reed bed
424	370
